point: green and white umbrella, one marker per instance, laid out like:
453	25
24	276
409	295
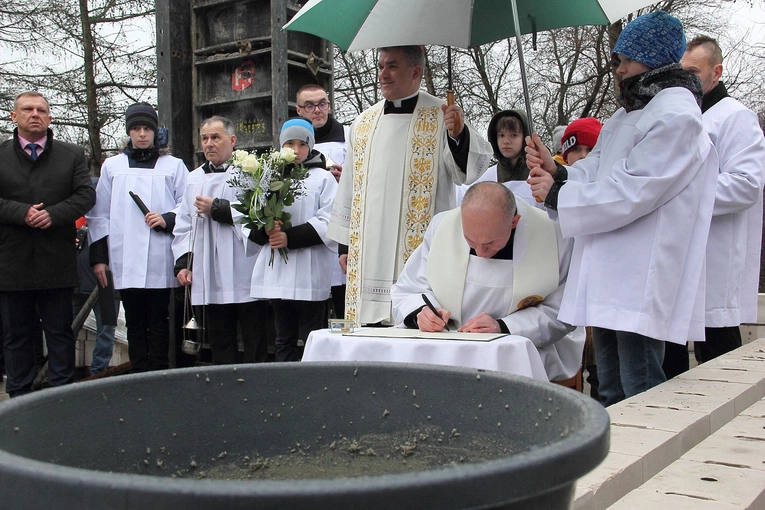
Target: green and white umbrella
355	25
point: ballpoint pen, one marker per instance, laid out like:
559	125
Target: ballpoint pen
433	309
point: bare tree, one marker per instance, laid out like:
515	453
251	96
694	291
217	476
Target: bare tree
569	71
90	57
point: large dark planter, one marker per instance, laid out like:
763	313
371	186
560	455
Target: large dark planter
143	441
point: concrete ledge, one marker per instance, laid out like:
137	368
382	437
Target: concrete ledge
727	470
654	429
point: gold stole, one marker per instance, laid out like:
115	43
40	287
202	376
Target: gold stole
419	190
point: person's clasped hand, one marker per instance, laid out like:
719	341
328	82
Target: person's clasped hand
481	323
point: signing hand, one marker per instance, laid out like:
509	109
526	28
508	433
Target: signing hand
454	119
481	323
428	321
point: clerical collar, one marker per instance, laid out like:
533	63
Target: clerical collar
714	96
209	168
331	131
404	105
506	253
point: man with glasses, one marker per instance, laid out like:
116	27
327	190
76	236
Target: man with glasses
313	105
331	140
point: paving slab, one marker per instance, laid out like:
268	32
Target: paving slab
699	482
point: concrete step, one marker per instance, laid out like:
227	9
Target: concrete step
652	430
726	470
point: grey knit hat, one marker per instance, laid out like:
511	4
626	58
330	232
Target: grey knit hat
141	114
297	129
557	135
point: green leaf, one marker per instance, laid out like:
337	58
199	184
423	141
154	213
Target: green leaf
277	185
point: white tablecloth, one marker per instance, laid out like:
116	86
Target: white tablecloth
513	354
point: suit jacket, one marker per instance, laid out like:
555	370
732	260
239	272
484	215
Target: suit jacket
33	258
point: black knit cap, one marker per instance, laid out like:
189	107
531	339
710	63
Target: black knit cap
141	114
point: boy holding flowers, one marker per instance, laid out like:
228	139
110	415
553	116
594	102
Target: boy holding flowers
299	285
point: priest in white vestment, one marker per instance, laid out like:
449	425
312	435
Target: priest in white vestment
206	234
405	155
498	265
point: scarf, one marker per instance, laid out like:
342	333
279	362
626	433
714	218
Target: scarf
637	91
141	158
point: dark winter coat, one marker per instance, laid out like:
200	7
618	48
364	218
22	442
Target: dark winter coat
33	258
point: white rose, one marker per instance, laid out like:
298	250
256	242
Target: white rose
239	155
288	154
250	164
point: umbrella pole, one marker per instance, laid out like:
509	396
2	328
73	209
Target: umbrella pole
522	65
449	87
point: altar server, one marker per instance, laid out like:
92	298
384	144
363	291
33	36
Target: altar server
135	243
299	288
219	264
639	208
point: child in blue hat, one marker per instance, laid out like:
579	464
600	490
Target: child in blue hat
299	289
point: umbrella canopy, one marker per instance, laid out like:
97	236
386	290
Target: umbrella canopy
355	25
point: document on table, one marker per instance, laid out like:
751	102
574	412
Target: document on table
417	334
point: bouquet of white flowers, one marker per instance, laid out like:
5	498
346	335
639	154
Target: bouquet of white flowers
264	190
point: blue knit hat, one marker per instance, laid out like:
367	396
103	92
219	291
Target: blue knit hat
297	129
655	39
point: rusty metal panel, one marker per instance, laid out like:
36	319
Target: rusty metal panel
245	68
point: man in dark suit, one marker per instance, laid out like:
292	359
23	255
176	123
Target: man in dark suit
44	187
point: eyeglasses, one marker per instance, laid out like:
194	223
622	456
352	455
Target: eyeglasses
309	107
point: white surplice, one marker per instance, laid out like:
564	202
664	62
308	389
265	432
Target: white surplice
336	151
639	208
139	257
221	269
468	285
733	250
400	173
308	273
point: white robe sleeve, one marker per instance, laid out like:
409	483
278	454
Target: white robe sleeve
320	220
742	163
98	216
182	229
479	156
638	184
406	293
